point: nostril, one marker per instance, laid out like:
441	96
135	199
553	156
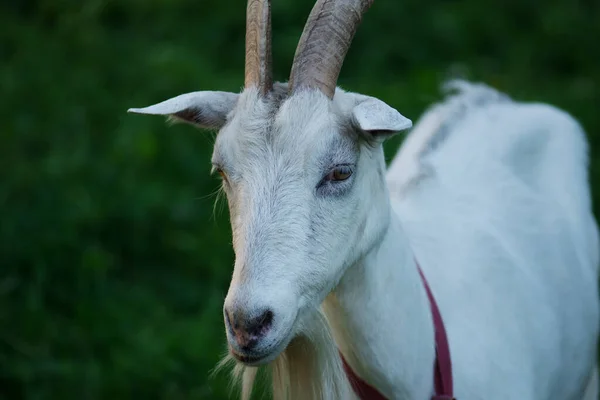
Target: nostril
229	321
261	324
267	319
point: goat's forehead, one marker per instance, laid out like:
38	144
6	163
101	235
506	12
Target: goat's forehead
300	125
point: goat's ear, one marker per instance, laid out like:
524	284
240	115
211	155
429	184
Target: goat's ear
377	119
205	109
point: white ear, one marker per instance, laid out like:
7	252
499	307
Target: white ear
374	116
204	109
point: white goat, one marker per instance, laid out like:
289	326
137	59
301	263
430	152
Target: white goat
490	195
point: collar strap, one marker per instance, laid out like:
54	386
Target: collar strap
442	371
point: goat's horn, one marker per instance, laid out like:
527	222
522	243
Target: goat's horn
324	43
258	46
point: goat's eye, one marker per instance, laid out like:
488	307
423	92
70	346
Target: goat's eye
221	173
340	173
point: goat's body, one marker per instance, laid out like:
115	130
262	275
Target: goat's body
498	215
489	195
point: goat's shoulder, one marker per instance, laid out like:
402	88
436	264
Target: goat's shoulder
432	131
479	125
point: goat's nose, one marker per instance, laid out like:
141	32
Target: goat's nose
248	331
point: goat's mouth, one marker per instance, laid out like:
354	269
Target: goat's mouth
252	359
249	360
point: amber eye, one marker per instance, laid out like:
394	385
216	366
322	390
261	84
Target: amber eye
222	174
340	173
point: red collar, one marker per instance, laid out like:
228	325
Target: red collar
442	369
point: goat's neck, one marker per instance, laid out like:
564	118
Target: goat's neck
381	320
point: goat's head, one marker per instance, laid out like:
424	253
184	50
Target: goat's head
303	169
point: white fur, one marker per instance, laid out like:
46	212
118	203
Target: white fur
491	196
503	230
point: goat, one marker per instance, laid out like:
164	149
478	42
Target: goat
489	195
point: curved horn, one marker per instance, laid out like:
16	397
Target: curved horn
324	43
258	46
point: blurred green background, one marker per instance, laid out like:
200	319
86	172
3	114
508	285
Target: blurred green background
114	262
